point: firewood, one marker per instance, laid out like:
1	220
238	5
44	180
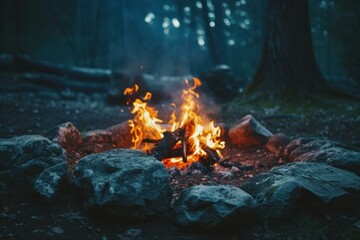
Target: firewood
184	148
211	153
165	146
149	140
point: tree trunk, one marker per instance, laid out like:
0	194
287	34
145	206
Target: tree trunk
288	67
219	29
210	40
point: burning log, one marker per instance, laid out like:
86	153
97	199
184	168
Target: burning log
249	133
212	155
165	146
184	148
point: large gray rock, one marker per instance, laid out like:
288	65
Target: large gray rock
309	184
211	207
30	153
123	183
47	184
334	153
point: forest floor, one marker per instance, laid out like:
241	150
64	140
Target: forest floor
37	112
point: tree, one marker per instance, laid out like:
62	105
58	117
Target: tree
215	37
347	29
288	67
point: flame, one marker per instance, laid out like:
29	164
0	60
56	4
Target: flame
199	131
131	91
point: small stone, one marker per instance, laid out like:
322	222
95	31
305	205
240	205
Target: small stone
357	225
57	230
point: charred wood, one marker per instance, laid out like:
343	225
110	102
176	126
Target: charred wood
165	146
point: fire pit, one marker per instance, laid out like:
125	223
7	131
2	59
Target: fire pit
183	167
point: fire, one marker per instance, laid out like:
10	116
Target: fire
199	132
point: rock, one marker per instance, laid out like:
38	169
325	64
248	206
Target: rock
30	154
249	133
131	234
314	185
277	143
48	182
334	153
123	183
335	156
212	207
56	230
312	146
66	135
294	144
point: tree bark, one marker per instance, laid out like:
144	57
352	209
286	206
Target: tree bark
210	40
288	67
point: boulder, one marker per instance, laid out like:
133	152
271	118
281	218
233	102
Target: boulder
334	153
30	154
211	207
345	159
47	184
312	146
315	185
123	183
249	133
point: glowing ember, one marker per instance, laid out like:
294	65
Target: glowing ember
199	132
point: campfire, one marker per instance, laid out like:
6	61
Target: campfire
189	136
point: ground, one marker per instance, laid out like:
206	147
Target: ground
36	112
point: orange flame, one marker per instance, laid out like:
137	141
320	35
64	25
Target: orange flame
131	91
199	131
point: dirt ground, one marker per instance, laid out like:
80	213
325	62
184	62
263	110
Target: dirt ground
24	112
